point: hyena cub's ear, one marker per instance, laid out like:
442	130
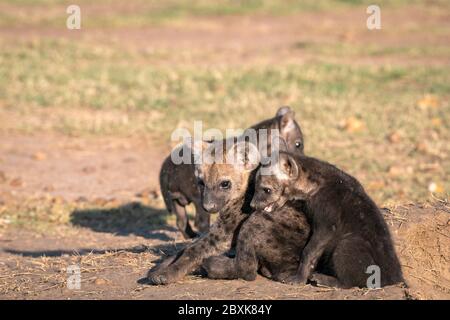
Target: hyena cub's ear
244	154
286	120
283	110
287	167
200	150
184	152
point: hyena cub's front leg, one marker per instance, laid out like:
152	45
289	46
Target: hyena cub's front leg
310	256
190	258
246	258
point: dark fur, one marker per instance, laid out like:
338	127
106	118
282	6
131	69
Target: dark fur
267	242
348	231
179	186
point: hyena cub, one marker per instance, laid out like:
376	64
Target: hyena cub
231	180
179	185
267	242
179	188
349	233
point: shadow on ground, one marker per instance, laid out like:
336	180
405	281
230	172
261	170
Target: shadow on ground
161	250
130	219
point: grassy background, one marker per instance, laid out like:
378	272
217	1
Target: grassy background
385	122
104	13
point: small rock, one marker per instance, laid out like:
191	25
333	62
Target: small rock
100	281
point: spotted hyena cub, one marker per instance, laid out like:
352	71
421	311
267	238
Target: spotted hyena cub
179	185
223	187
179	188
349	233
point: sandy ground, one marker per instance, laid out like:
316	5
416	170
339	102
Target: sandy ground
109	168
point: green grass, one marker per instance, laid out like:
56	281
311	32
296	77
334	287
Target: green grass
354	50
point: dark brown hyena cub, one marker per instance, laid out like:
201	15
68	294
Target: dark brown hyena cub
179	188
349	233
179	185
267	242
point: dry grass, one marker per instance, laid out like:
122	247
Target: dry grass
50	273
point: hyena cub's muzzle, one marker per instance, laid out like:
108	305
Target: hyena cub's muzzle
210	203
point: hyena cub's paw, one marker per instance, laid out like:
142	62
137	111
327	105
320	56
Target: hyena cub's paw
320	279
248	276
158	274
158	278
295	280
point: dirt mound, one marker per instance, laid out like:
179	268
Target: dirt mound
423	243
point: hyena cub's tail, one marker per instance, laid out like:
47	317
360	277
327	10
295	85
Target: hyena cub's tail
164	186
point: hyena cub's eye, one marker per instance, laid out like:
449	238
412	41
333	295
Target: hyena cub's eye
200	182
226	184
267	190
298	144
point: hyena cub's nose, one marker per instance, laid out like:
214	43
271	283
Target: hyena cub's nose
210	207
